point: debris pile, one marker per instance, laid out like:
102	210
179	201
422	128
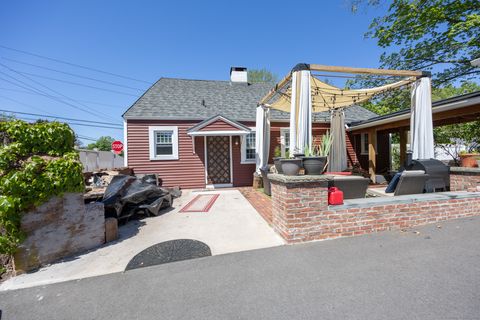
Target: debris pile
124	195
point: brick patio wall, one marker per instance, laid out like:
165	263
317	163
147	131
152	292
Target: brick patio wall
59	228
464	178
300	211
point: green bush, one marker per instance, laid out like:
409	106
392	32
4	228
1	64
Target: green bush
37	162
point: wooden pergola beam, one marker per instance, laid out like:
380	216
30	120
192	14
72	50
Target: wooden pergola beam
340	69
388	72
277	87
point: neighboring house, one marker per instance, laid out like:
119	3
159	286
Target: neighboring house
197	133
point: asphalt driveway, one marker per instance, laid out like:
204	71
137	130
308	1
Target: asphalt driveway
432	272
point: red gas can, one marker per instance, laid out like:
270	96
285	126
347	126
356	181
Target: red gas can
335	196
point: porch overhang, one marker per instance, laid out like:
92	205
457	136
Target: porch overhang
218	126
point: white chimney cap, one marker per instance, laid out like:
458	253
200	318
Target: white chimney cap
238	74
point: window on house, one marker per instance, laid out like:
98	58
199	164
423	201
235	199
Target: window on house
163	143
248	148
364	143
285	140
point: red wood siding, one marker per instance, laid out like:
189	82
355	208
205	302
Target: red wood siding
219	125
187	172
242	173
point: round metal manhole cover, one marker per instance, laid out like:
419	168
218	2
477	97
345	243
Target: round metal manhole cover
169	251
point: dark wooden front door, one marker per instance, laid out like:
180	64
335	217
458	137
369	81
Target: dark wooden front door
218	160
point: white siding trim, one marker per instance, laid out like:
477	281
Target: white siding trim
125	143
243	149
151	142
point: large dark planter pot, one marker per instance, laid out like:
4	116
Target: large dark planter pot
278	166
298	155
291	167
314	165
266	183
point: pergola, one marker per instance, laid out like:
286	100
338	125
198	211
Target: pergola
301	93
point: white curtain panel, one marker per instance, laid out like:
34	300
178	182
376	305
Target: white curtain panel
293	114
421	124
301	118
262	138
337	159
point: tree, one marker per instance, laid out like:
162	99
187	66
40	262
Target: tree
441	36
103	143
261	75
437	35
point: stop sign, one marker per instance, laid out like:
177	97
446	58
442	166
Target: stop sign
117	146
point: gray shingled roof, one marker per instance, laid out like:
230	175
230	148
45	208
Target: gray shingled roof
180	99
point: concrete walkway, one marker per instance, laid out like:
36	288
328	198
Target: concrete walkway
432	272
231	225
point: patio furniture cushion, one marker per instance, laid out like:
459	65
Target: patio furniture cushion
411	182
353	187
393	183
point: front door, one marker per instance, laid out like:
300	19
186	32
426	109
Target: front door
218	160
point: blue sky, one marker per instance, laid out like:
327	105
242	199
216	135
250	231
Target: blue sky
146	40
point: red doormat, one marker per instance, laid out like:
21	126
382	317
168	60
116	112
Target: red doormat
201	203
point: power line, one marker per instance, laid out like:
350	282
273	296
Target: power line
63	118
72	64
73	123
86	138
25	104
74	83
56	92
35	90
72	74
41	94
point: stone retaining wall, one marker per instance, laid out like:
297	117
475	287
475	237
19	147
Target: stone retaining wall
61	227
300	210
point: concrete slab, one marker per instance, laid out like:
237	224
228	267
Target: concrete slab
231	225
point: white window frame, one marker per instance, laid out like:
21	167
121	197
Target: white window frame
364	136
152	143
244	159
282	140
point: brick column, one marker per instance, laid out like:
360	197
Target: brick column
296	202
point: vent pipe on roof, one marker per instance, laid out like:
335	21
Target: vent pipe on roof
238	74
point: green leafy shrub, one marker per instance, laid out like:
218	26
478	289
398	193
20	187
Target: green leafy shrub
37	162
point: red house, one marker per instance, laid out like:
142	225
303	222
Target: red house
198	133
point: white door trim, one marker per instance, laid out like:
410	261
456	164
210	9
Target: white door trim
221	185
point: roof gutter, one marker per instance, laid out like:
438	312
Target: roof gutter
404	116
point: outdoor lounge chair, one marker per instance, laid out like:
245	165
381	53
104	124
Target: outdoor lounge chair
353	187
411	182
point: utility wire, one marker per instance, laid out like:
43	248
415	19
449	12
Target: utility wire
25	104
56	92
86	138
74	124
63	118
33	89
72	64
71	74
74	83
41	94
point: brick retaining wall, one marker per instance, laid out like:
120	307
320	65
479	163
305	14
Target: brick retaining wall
464	178
301	213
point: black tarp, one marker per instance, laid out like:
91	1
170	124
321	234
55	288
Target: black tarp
127	195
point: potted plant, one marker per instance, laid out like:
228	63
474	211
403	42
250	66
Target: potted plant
315	159
290	166
277	156
469	159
